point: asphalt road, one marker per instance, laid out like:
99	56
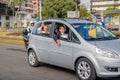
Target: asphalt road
14	66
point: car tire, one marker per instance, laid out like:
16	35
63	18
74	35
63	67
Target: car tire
32	59
85	69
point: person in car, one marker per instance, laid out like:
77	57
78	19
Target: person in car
43	29
60	35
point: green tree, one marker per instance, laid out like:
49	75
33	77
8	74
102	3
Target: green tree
57	8
111	9
77	1
38	16
115	2
84	12
13	3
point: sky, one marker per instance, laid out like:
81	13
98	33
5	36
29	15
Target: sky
86	3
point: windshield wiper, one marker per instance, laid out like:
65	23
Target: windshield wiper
107	38
90	39
102	38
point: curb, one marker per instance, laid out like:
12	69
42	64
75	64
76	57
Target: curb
15	42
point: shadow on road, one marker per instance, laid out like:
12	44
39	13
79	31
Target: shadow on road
72	72
58	68
13	49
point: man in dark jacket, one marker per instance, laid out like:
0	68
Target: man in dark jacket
60	35
25	33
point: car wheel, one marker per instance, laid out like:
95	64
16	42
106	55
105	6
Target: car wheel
85	69
32	59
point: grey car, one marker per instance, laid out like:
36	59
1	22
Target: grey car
89	49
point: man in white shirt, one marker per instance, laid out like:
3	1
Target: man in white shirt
99	21
43	29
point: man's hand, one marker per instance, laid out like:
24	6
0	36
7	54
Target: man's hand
58	43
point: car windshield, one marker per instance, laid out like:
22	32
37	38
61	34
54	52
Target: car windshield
93	31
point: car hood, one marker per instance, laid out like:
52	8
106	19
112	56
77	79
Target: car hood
113	45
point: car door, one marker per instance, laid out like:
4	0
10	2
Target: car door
42	41
61	55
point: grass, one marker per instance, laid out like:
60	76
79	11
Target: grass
11	37
3	33
8	35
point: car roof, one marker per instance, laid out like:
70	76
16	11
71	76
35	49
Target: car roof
68	20
78	21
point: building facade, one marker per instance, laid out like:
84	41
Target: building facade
98	8
35	5
101	5
27	9
27	13
6	14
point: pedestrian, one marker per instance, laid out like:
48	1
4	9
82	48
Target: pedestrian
26	33
29	29
99	21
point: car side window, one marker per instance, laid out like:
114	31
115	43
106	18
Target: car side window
61	31
44	29
34	29
74	38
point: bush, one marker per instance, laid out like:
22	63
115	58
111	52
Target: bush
7	24
117	33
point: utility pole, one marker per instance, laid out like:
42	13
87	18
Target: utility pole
13	13
40	6
77	2
76	10
119	23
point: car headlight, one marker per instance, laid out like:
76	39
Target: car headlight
107	53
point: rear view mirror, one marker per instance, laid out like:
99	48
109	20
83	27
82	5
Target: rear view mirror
92	33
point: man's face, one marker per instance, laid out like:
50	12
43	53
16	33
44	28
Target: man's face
62	29
32	24
98	20
46	29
